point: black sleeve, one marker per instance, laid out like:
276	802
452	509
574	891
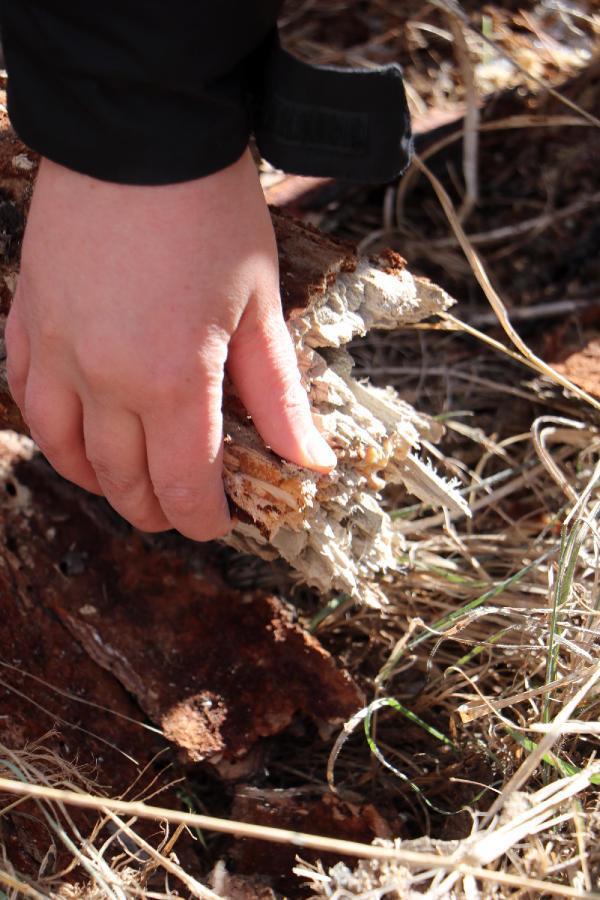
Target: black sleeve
133	91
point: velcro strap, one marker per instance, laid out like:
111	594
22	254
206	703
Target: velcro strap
322	121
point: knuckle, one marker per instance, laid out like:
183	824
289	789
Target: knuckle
46	330
49	333
165	383
168	385
114	481
95	364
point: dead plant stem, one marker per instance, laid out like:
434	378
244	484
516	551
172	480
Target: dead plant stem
497	305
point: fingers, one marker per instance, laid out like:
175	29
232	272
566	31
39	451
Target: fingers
262	365
164	474
116	448
17	361
53	413
185	461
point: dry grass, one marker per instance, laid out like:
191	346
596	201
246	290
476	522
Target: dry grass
490	647
507	43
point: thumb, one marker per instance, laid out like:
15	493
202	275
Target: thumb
262	365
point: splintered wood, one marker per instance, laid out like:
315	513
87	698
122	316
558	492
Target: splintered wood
332	530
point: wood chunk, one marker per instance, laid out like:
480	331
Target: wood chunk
217	669
35	645
324	814
331	529
55	702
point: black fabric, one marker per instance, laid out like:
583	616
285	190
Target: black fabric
343	123
145	92
138	91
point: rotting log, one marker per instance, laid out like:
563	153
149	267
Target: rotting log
60	712
216	669
331	529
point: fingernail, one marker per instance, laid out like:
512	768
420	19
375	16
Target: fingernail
319	452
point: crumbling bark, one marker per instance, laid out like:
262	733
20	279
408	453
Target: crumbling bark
217	670
58	708
312	811
331	529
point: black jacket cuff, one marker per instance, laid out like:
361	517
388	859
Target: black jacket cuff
138	139
133	91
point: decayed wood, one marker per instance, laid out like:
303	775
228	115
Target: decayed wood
58	708
316	811
216	669
331	529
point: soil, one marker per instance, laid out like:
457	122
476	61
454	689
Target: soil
54	698
573	348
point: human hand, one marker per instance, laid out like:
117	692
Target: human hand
131	302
